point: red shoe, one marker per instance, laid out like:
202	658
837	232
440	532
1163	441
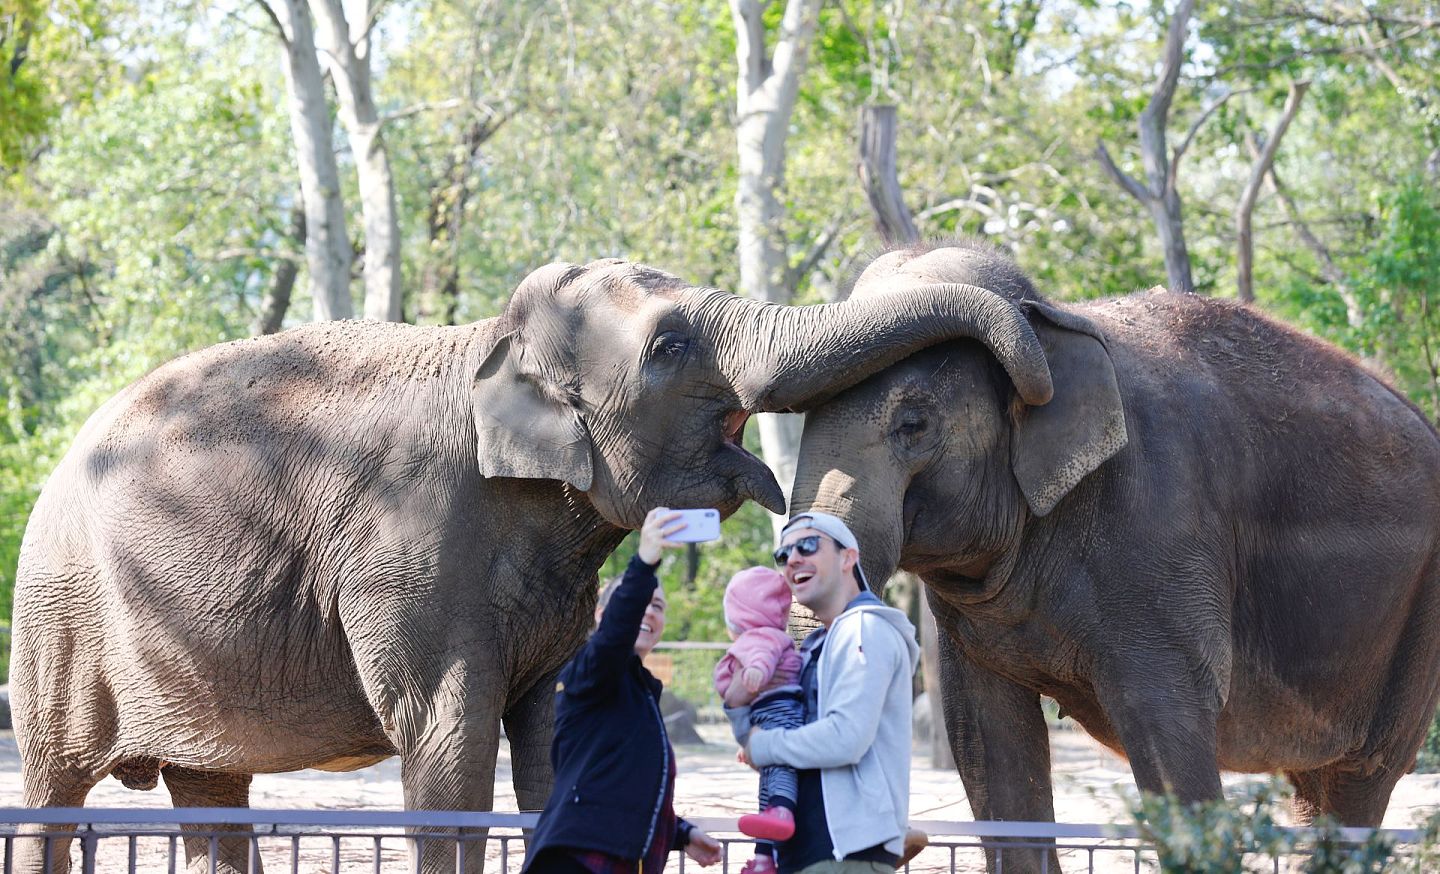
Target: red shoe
759	864
775	824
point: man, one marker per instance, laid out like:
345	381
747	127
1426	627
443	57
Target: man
853	753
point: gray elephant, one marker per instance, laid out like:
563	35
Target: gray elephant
354	540
1217	546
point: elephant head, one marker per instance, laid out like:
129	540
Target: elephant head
938	461
634	387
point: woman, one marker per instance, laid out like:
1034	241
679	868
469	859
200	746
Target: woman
611	810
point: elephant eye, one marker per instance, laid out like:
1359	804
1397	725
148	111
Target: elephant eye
910	429
671	346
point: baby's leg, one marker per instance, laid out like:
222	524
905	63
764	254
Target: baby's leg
778	711
779	785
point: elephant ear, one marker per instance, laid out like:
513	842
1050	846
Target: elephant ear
1059	443
523	430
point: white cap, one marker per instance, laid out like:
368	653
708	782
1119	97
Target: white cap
835	529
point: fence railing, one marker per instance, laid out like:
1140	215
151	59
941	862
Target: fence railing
111	841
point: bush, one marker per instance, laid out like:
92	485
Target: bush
1428	762
1233	837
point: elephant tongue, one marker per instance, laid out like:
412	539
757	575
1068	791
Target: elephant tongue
735	426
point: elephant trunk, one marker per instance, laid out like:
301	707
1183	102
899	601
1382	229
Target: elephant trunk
864	492
795	358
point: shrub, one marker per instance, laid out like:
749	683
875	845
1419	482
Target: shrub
1234	837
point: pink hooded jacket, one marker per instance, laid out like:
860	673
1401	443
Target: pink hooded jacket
757	608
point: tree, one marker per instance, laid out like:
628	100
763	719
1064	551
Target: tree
47	58
1160	194
346	48
764	100
327	245
879	178
1245	209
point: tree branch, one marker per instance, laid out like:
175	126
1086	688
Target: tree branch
1195	129
424	106
1246	207
1131	185
371	18
1341	51
22	47
749	44
1164	92
275	19
1155	117
1329	272
822	242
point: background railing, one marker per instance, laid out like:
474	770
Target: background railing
110	841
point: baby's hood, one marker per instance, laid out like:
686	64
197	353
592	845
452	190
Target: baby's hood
757	597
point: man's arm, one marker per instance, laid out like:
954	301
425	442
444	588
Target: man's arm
854	701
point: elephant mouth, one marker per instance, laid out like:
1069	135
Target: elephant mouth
750	475
735	428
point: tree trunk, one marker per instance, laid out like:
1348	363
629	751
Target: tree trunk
347	53
445	219
1160	194
879	178
764	99
327	248
277	299
1245	209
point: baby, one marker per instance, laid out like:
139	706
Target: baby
762	668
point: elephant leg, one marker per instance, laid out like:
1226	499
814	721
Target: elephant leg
192	788
1345	794
448	763
1166	726
530	725
39	849
1002	750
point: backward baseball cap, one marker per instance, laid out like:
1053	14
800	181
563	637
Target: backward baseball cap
835	529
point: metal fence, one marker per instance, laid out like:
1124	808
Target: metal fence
111	841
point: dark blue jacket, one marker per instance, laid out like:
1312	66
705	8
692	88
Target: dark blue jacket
610	753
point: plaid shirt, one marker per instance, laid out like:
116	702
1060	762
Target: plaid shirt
659	850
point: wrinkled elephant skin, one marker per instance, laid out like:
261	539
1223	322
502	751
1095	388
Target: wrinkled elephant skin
1217	546
355	539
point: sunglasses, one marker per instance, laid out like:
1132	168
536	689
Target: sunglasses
805	546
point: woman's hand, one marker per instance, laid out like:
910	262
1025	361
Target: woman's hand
704	849
659	524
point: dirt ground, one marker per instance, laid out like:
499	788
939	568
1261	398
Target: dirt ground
1090	786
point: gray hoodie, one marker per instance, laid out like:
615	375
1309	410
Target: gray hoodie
860	740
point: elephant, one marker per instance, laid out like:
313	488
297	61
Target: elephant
353	540
1216	546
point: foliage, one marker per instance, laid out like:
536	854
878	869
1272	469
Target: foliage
158	174
1401	290
47	60
1428	760
1242	835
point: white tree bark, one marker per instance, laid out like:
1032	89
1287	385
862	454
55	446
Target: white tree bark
1159	194
327	247
345	46
764	99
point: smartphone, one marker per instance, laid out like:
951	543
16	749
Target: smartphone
700	525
